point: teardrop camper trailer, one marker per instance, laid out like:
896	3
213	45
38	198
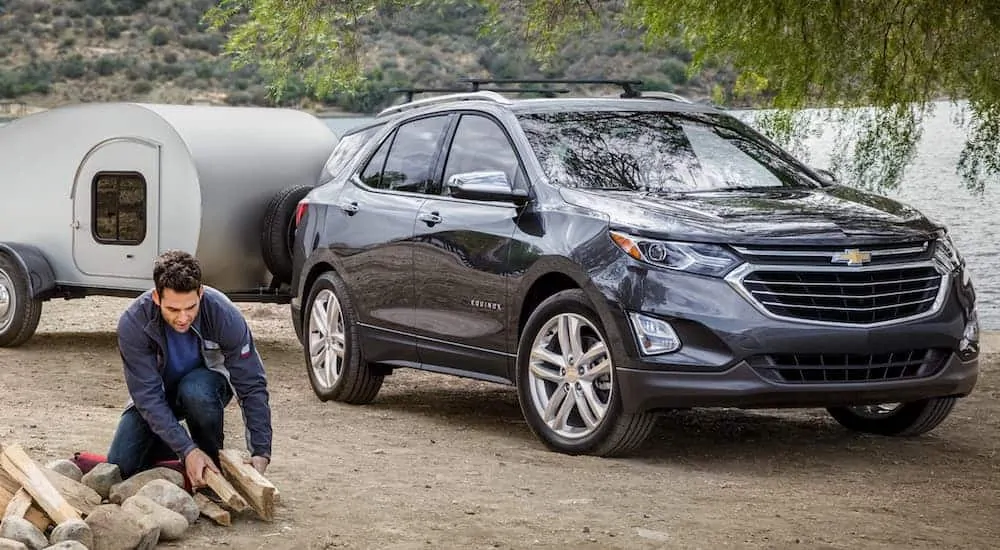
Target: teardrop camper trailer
91	194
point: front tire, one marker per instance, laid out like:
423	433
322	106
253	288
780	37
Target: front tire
566	382
336	367
19	312
897	419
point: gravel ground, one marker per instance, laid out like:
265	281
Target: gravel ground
439	462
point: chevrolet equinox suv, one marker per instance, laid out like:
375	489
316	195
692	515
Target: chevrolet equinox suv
615	257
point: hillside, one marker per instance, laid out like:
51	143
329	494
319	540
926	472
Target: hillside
66	51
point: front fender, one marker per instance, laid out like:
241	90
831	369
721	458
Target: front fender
41	278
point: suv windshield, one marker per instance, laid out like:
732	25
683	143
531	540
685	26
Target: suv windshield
657	152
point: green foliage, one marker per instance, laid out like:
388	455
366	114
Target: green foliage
879	64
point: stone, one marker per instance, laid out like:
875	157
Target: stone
171	497
172	525
8	544
102	477
121	491
67	545
67	468
117	529
21	530
73	529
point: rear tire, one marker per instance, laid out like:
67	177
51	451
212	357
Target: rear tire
906	419
278	232
336	367
19	312
573	404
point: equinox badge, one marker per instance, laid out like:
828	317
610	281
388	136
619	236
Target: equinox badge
852	256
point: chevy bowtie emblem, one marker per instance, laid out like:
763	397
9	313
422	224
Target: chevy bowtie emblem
852	256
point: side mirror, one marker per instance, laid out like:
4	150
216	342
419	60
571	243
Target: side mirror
485	186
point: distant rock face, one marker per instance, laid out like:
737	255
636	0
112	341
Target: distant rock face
21	530
102	478
67	468
73	530
117	529
121	491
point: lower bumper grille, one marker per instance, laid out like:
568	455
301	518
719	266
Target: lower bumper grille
818	368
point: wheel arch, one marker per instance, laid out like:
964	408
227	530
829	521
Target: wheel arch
31	260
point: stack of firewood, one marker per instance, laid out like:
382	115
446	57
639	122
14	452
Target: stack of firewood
58	506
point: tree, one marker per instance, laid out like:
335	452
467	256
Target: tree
877	64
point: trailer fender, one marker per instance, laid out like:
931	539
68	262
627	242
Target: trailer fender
41	278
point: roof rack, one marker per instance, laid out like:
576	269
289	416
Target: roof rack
629	87
482	95
410	92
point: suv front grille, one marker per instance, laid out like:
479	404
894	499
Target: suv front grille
818	368
845	295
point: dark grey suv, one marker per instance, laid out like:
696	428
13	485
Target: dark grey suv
615	257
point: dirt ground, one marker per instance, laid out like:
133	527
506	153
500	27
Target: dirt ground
438	462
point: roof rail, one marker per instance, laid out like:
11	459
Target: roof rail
482	95
652	94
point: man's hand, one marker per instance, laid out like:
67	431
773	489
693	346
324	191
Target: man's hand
195	463
259	463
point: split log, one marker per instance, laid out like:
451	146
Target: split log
18	505
20	467
212	510
34	514
258	491
230	497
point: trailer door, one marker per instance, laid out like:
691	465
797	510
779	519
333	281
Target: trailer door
116	201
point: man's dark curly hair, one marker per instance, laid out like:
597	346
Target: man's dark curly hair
176	270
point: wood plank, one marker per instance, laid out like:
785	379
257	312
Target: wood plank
19	465
19	505
34	514
230	497
212	510
79	496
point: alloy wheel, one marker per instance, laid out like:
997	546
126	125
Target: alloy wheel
570	376
326	339
8	301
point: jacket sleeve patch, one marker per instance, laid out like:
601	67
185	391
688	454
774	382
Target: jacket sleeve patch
245	351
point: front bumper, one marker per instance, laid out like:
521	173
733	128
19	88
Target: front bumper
728	348
741	386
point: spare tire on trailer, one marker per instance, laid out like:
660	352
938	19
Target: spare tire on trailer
278	231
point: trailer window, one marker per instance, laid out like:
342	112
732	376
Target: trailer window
119	208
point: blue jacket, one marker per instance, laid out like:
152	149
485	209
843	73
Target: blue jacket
227	347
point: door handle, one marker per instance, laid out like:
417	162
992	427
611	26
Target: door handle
350	207
430	219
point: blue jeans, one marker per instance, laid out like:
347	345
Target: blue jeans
200	399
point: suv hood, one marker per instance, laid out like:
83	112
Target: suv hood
830	215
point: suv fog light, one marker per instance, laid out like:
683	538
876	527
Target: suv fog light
654	336
969	346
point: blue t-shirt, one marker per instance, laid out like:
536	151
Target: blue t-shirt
183	355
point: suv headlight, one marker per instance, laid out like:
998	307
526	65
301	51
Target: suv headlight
948	258
703	259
